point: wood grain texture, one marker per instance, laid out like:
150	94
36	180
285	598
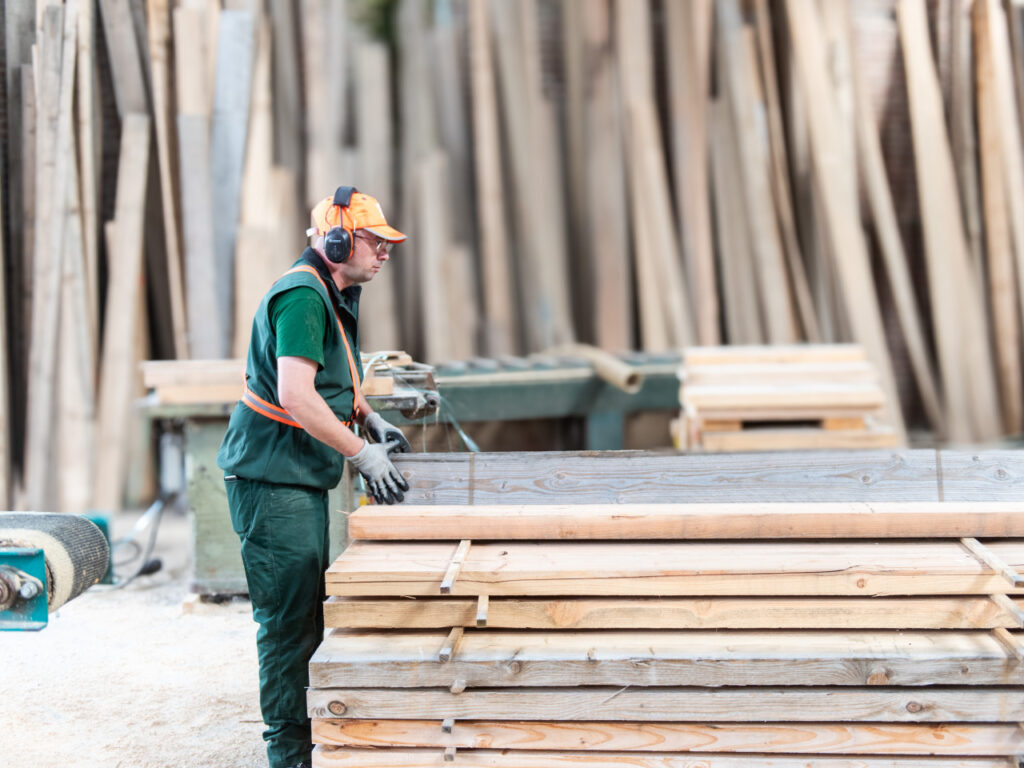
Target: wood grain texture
795	439
673	613
341	757
773	738
692	521
926	705
491	658
680	569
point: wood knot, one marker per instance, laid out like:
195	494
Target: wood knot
878	676
914	707
337	708
513	667
861	583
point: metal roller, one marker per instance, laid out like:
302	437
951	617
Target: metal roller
75	550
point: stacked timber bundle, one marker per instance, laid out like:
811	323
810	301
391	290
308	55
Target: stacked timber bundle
743	398
633	174
720	635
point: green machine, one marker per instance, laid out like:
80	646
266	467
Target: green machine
506	389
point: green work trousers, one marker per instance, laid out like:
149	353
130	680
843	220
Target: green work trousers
284	533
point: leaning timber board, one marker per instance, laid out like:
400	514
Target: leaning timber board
342	757
674	568
499	659
673	613
878	703
743	520
617	477
806	738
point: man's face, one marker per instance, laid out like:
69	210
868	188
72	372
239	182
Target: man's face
368	257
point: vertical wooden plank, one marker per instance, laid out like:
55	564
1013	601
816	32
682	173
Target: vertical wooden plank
54	91
88	110
846	235
737	65
498	316
998	240
286	86
433	240
5	395
883	215
228	129
118	372
780	176
159	33
323	22
125	64
196	185
739	295
378	310
961	335
688	32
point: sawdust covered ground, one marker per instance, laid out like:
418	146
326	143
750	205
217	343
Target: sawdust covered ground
128	679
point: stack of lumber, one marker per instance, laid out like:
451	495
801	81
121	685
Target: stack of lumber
719	635
634	174
743	398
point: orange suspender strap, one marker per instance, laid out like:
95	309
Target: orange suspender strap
276	412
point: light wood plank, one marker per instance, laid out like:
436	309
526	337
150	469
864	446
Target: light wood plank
119	372
340	757
776	353
927	705
675	613
854	372
799	397
965	364
495	659
797	439
838	203
691	521
774	738
674	569
125	63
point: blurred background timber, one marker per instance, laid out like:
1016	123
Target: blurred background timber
633	174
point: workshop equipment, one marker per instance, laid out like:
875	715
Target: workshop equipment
46	559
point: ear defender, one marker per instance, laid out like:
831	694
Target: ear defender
338	241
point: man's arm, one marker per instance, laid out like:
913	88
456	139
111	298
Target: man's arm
297	395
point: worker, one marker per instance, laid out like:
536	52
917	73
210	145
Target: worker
286	445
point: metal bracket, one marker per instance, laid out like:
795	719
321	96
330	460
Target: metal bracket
23	589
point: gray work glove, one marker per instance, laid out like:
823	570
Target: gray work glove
381	431
383	479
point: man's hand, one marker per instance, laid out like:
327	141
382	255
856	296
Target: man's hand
383	479
381	431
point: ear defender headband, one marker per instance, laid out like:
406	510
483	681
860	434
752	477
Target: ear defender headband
338	241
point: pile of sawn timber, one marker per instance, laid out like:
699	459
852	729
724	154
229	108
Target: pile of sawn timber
563	629
788	397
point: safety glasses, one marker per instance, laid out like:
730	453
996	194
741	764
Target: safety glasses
380	246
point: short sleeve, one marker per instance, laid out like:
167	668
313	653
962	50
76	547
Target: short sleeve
298	319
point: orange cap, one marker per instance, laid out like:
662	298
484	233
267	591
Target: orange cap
363	212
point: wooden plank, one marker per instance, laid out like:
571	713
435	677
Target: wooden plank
691	521
737	60
799	439
962	136
674	569
454	565
229	124
55	88
669	613
498	316
688	32
340	757
88	108
5	388
989	558
159	21
998	132
966	365
493	658
774	738
927	705
883	213
449	644
773	354
1009	607
805	397
839	205
125	62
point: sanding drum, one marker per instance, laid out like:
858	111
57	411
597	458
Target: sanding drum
75	550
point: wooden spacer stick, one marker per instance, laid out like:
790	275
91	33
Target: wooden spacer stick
447	724
449	754
453	567
986	556
448	649
1009	606
458	686
481	610
1010	643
